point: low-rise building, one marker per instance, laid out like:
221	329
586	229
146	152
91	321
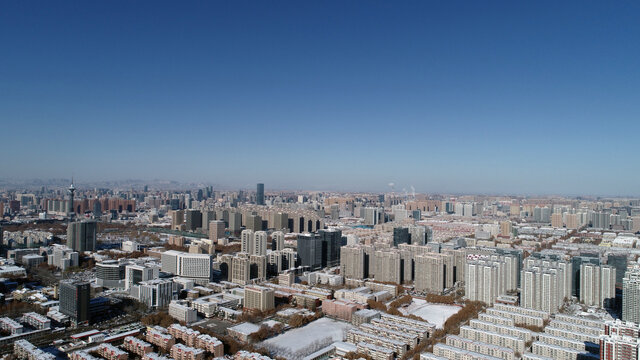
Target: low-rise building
26	350
111	352
137	346
182	352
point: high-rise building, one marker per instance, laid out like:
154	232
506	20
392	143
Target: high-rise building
419	235
309	248
235	222
177	219
81	236
576	266
260	194
556	220
631	295
207	217
597	285
254	243
193	219
433	272
352	262
371	216
388	265
332	240
506	228
278	240
545	284
240	269
254	222
74	299
246	241
400	236
281	221
489	277
216	230
259	243
110	274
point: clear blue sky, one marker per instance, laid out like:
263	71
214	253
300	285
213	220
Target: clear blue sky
501	97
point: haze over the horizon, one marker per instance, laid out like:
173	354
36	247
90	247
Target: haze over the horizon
508	97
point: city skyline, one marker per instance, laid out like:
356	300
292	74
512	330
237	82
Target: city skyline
449	98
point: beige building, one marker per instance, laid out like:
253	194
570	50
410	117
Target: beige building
258	297
216	230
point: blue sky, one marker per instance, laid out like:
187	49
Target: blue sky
473	97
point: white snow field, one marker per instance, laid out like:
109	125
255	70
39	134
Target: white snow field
434	313
297	343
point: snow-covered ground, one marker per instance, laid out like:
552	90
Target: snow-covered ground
434	313
297	343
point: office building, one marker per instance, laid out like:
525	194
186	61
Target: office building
309	248
156	293
193	219
74	300
137	273
81	236
110	274
332	240
193	266
401	236
260	194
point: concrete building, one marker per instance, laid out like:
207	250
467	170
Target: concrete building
216	230
631	295
193	266
156	293
545	284
182	352
181	311
278	240
258	297
597	285
25	350
137	346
